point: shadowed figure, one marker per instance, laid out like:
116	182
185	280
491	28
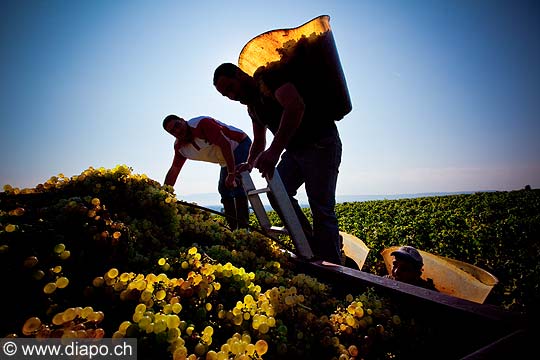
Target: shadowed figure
206	139
308	143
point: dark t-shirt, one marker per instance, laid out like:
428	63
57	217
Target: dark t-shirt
267	112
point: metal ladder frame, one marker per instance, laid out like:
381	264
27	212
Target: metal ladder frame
293	228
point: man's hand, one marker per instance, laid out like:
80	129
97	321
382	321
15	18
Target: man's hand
267	161
245	166
230	181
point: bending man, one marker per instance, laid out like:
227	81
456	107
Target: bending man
310	145
206	139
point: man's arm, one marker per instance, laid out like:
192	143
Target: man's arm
211	131
293	111
172	174
228	154
258	144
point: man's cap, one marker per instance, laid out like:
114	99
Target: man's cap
408	253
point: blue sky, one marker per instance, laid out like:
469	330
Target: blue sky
445	94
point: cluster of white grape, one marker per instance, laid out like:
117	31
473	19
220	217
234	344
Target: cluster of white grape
8	227
10	190
55	182
237	277
257	247
188	286
19	211
240	347
312	288
56	279
288	48
198	223
364	320
257	315
159	306
74	322
60	282
158	312
282	299
149	321
271	268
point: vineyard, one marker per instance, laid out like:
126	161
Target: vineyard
497	231
112	254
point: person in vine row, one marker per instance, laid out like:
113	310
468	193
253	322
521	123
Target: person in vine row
204	138
408	267
308	143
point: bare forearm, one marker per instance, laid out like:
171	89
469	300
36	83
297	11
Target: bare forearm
172	175
229	159
227	152
256	148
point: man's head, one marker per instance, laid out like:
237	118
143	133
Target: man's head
407	265
176	126
233	83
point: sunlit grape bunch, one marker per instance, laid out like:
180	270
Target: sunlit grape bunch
74	322
252	314
362	322
167	274
311	287
238	346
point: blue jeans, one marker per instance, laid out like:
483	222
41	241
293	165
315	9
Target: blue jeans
317	166
240	155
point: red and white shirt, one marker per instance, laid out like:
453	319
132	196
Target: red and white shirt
205	131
